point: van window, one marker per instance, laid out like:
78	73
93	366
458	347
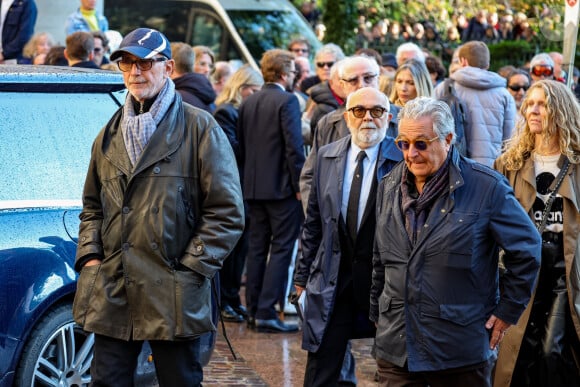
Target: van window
198	23
264	30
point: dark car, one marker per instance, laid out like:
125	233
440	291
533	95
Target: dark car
49	118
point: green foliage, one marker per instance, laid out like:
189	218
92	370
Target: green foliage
340	19
545	18
510	52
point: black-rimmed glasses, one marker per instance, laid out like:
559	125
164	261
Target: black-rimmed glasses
420	145
360	111
142	64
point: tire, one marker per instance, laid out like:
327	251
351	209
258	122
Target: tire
57	353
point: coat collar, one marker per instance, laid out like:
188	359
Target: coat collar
164	141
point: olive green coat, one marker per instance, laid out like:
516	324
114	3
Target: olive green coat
162	230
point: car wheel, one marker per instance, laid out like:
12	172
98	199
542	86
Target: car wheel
58	352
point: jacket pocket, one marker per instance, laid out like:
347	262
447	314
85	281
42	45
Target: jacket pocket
462	314
85	287
192	304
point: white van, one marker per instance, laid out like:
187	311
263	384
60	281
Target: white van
235	30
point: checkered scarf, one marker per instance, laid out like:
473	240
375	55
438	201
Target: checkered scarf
138	129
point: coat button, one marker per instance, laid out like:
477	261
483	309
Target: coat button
156	170
126	246
155	210
154	246
126	210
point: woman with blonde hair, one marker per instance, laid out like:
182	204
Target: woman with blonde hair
411	80
35	50
204	60
237	88
542	164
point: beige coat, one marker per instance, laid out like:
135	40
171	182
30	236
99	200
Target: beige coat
524	184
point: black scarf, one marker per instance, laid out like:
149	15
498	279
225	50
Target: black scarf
415	206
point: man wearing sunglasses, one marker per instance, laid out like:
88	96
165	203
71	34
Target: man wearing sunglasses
337	242
541	67
162	209
328	55
353	73
441	219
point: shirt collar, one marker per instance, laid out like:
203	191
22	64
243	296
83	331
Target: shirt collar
372	152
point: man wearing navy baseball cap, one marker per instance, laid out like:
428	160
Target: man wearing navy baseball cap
162	209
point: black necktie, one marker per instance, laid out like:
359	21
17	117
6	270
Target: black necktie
354	197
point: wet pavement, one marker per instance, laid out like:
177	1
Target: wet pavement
269	359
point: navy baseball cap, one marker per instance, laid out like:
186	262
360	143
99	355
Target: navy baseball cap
144	43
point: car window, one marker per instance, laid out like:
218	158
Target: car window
55	135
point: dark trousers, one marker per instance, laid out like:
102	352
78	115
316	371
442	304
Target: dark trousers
274	228
233	268
176	362
478	375
323	367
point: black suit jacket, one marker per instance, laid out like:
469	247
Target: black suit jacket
271	147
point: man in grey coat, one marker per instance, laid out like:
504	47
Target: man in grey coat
491	110
162	209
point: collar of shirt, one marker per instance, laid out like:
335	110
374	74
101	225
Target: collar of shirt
277	84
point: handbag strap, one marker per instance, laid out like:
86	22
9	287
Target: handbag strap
552	197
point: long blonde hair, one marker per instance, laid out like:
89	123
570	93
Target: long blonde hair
421	79
231	93
562	120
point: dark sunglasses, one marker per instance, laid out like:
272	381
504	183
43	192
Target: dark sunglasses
361	112
517	88
420	145
142	64
542	71
322	64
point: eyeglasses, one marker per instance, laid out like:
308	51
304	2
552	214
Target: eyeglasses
368	78
323	64
420	145
97	49
361	112
304	50
542	71
142	64
517	88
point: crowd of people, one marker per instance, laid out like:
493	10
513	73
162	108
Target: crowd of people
448	231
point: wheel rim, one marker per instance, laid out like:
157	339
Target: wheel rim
65	359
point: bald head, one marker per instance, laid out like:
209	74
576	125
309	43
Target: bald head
367	116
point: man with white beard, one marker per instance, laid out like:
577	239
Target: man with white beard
341	212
